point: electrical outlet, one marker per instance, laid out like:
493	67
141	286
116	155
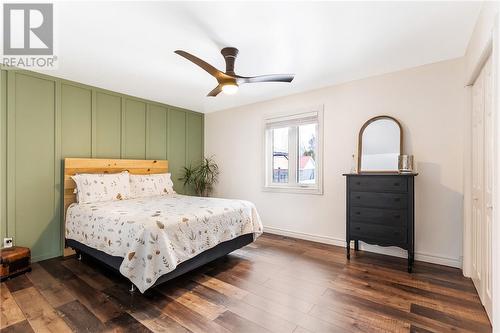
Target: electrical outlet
7	242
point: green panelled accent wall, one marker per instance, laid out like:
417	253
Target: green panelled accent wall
176	136
76	129
134	130
156	140
108	127
195	139
44	119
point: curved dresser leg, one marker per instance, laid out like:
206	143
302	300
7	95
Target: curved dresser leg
411	258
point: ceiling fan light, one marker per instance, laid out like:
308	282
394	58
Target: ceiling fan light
230	89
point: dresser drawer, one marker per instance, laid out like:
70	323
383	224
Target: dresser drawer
379	200
378	183
387	217
378	233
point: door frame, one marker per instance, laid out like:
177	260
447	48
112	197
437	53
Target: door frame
478	141
495	235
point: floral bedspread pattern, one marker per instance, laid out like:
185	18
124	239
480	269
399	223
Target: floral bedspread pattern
155	234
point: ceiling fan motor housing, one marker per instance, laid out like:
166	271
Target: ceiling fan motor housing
229	54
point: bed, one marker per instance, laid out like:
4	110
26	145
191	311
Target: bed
154	239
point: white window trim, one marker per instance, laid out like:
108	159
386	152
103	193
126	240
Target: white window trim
268	185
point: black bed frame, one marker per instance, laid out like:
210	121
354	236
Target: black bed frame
201	259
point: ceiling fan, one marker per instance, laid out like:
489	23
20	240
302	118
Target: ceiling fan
229	81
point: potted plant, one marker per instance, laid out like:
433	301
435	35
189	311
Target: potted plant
202	177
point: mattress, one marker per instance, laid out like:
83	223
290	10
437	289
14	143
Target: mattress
156	234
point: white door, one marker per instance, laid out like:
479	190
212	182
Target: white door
482	183
477	178
488	184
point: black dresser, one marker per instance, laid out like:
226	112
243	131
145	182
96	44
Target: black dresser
381	211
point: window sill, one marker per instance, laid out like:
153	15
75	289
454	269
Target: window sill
293	189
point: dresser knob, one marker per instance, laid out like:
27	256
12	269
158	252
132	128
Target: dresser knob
358	197
358	213
358	228
358	183
396	184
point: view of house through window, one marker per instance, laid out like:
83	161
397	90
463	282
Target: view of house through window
307	154
292	151
280	155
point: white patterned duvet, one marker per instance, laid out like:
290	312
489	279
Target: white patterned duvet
155	234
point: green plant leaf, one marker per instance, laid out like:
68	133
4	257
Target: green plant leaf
202	177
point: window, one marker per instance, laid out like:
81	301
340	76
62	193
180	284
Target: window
293	153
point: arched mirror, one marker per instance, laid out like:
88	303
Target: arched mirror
380	143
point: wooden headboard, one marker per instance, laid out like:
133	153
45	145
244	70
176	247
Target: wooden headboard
73	166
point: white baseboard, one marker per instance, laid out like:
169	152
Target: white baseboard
305	236
391	251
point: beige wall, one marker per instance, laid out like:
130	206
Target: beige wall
428	100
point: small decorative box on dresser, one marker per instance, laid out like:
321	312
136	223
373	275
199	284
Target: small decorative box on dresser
381	210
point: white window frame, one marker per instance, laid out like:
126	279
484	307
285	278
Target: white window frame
291	119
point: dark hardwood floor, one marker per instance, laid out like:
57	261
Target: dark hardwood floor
276	284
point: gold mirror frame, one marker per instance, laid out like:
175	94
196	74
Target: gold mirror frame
360	141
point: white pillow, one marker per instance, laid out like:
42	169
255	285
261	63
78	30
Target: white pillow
150	185
93	187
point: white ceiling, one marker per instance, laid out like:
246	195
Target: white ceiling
128	46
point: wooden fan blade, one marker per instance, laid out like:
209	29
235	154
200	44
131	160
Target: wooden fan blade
203	64
267	78
216	91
